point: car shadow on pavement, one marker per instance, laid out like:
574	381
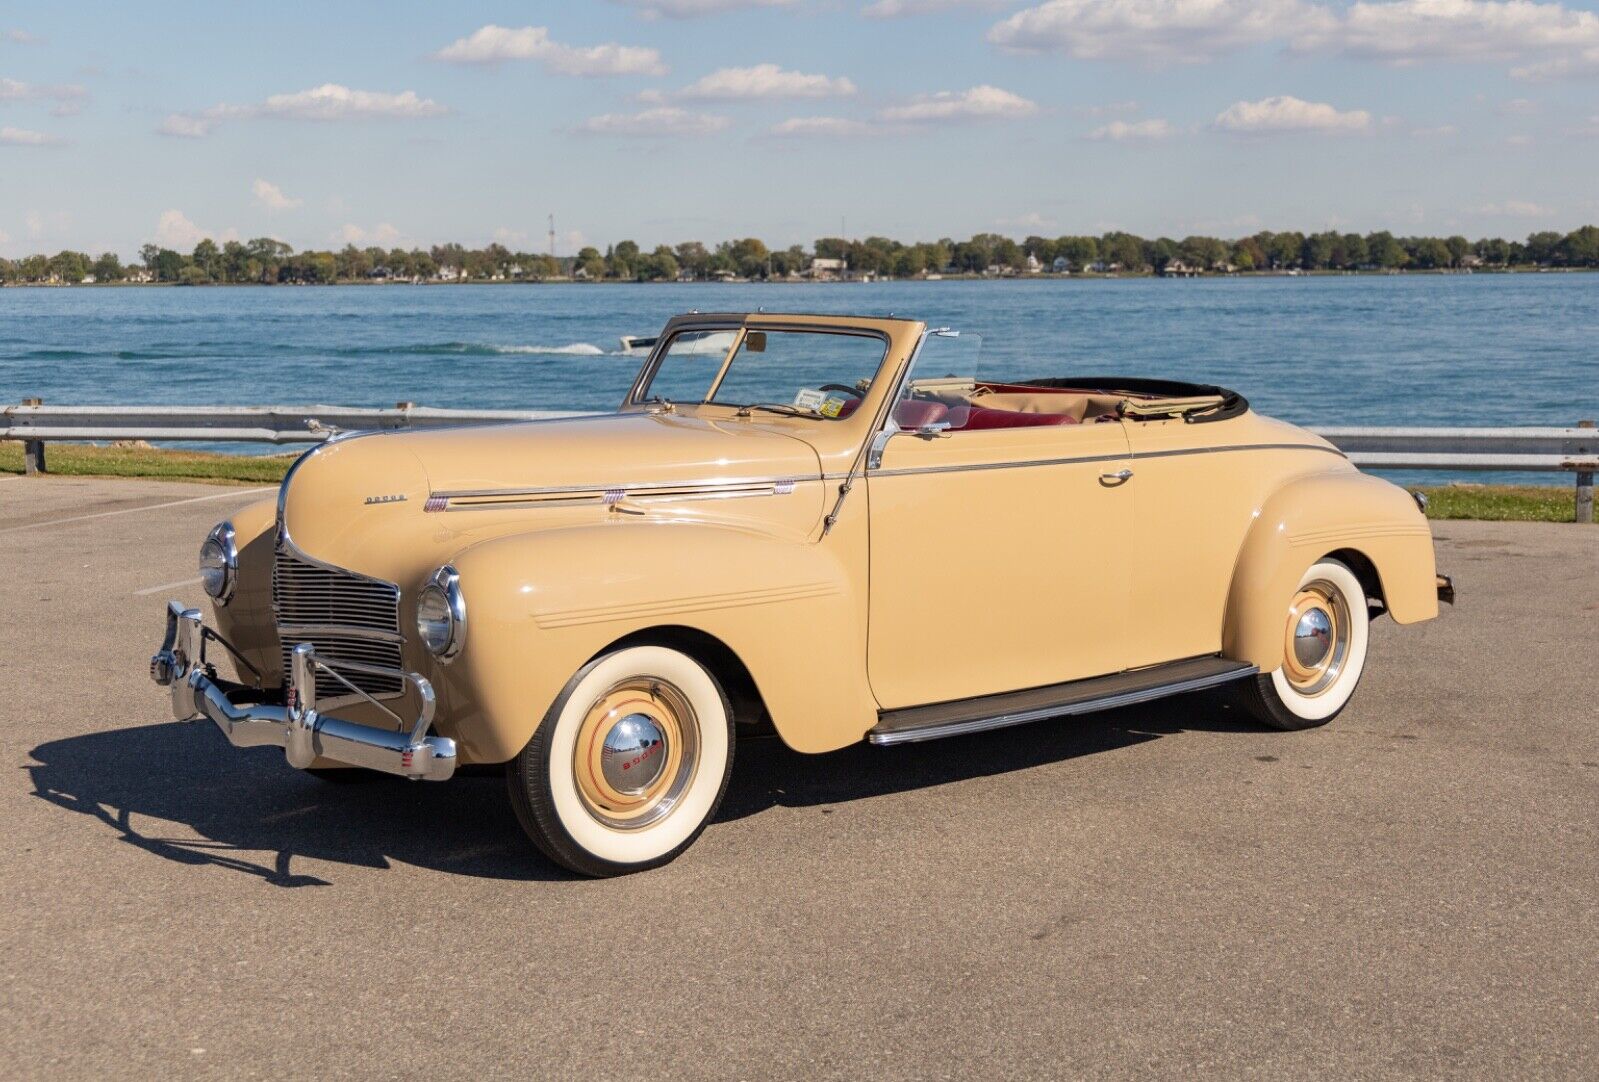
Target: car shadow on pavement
179	792
767	774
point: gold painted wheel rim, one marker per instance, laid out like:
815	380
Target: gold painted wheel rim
636	752
1316	638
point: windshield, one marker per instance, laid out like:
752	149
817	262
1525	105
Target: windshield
806	373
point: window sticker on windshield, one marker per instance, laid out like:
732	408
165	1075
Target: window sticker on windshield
807	399
832	407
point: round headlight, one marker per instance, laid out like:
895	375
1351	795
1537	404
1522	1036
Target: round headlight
441	614
219	563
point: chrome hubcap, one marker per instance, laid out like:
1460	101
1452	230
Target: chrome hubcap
1313	638
1317	638
632	756
636	753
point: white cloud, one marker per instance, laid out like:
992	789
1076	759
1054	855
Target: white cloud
20	37
64	93
1515	208
175	231
1536	39
1519	107
893	9
980	102
1135	131
271	197
695	9
822	127
1441	131
1031	220
183	126
662	122
511	238
328	102
764	81
492	44
1285	115
1152	31
382	235
24	137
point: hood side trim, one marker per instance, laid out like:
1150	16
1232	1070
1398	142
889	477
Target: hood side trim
563	495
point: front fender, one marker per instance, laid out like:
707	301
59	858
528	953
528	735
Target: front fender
247	620
540	605
1316	515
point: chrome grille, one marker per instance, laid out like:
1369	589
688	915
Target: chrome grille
345	616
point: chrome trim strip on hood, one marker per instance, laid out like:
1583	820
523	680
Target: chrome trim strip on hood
492	499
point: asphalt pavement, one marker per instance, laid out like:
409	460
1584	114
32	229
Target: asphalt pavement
1411	891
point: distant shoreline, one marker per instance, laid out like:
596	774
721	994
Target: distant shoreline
1090	276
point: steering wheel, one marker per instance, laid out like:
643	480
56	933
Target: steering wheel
853	392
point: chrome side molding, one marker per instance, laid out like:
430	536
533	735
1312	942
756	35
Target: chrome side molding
931	722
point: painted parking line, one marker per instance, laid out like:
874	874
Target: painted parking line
166	586
132	510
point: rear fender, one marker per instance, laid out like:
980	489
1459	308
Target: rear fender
1317	515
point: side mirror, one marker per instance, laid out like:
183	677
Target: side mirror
755	342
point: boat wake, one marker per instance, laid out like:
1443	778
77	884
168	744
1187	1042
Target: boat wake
481	349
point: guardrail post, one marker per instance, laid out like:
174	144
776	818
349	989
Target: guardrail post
1585	487
32	450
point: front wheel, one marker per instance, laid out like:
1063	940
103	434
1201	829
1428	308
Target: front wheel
1324	653
628	765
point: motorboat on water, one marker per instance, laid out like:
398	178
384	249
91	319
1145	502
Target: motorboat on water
638	345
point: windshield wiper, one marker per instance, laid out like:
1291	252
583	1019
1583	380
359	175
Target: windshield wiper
779	407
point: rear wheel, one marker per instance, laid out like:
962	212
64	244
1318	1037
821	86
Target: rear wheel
628	765
1324	653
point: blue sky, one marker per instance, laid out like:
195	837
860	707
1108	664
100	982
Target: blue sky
670	120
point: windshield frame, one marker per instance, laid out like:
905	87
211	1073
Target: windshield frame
638	395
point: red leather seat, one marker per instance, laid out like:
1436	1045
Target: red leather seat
913	413
979	417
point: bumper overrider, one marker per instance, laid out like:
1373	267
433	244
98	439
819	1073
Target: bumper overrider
249	718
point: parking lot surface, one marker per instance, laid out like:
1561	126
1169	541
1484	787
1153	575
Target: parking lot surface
1411	891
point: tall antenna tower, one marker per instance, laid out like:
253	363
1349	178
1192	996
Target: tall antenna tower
552	236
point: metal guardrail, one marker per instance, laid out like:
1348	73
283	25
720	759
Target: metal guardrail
1572	450
35	422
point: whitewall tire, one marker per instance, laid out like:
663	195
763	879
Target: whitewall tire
1325	635
628	765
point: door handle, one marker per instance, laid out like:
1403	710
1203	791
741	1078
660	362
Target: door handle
1116	478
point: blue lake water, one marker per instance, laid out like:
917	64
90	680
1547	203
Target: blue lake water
1461	350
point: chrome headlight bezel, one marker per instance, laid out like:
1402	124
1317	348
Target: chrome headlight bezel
442	595
220	576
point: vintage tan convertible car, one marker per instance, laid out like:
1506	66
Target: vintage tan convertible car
837	528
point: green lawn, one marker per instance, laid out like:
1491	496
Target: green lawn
1503	503
1518	503
80	460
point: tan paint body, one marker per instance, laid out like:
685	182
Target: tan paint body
962	565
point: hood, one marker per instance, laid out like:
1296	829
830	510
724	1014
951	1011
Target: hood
361	503
608	450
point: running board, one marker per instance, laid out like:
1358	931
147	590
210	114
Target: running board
915	723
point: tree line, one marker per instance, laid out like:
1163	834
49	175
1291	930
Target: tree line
268	261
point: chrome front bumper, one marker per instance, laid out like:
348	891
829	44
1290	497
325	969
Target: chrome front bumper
304	735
